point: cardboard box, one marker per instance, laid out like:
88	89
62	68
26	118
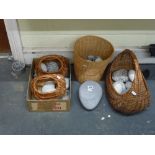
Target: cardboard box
54	105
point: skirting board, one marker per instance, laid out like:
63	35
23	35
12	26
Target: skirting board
29	53
4	55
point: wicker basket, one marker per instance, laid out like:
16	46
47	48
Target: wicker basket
128	103
60	60
91	45
39	81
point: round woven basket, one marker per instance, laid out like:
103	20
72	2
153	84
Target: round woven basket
128	103
39	81
60	60
91	45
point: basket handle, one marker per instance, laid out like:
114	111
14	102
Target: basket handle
135	60
136	64
139	75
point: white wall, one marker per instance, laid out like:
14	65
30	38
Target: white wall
63	33
43	36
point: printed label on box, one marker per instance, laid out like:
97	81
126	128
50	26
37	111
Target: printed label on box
59	106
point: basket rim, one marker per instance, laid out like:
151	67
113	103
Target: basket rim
93	36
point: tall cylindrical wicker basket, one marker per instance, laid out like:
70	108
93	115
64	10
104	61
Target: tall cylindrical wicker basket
128	103
91	45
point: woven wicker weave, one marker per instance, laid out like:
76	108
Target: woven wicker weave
39	81
60	60
91	45
128	103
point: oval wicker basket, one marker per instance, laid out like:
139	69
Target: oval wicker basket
39	81
60	60
128	103
91	45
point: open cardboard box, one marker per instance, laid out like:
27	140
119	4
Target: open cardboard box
55	105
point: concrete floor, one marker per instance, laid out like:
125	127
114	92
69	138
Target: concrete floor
16	119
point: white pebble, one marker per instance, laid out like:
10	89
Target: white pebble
124	91
120	75
67	83
109	116
52	66
131	75
50	82
91	57
119	87
49	87
128	85
102	118
98	59
43	67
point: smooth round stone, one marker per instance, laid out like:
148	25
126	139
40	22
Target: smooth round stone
50	82
119	87
67	83
52	66
43	67
131	74
120	75
124	91
90	93
98	59
48	87
128	85
91	57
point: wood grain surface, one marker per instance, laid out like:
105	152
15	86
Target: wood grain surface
4	43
